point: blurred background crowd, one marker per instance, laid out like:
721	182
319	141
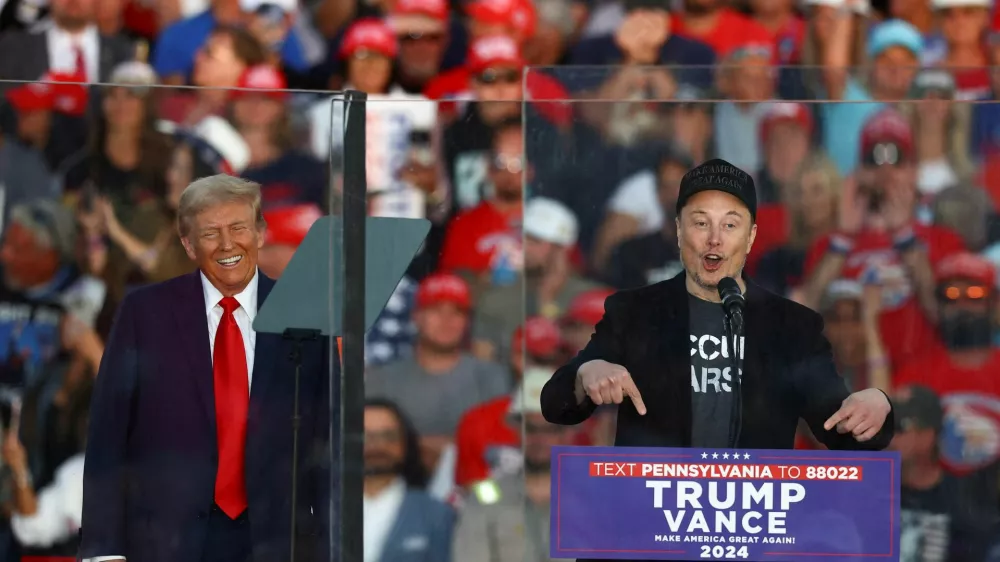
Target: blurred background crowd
545	140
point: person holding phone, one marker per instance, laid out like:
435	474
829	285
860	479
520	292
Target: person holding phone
880	235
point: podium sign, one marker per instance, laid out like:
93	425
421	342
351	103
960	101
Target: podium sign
704	504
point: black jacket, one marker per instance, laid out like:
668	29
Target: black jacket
788	371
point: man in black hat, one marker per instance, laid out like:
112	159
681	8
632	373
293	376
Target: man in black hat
936	522
665	348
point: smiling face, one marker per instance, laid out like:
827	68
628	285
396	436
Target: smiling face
223	240
715	233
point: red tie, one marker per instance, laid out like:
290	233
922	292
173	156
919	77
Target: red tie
232	401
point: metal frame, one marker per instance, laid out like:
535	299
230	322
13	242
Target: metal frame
348	478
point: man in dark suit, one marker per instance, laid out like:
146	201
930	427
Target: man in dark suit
189	454
663	348
69	44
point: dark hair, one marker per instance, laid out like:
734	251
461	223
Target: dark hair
413	470
247	48
154	149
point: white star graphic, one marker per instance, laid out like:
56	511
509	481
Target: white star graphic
746	455
725	455
736	457
704	455
715	455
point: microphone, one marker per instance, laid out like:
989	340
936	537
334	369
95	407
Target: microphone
733	301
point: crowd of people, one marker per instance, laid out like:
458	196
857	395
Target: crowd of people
545	141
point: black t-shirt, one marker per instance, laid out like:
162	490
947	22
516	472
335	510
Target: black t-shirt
294	178
644	260
468	143
711	378
936	526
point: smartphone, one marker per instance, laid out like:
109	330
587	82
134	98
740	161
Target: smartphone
10	409
421	147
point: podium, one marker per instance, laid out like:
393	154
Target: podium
708	504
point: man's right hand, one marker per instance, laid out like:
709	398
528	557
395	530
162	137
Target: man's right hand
607	383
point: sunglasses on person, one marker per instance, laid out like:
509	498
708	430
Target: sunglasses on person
971	292
511	164
885	154
491	76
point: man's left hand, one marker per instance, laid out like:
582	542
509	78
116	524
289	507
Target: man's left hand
862	414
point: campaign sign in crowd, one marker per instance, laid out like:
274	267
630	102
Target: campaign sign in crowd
684	504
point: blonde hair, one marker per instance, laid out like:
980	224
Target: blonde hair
210	191
816	163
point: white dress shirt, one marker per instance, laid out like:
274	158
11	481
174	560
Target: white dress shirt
244	319
380	514
244	316
62	50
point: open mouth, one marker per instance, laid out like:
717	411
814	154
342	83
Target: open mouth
711	262
230	262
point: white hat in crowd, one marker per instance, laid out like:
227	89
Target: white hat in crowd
216	141
527	398
549	220
945	4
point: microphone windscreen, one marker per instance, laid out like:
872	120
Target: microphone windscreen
729	286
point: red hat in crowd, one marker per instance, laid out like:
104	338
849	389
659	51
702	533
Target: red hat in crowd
441	288
786	112
288	226
966	265
539	337
885	138
588	307
371	34
262	77
65	93
496	50
419	16
519	15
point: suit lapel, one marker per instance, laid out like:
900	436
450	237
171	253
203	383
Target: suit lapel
265	350
192	325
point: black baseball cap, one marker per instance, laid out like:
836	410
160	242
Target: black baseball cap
718	175
917	407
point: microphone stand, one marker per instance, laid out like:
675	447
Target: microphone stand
734	331
297	336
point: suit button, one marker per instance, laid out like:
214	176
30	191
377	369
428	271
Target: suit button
202	514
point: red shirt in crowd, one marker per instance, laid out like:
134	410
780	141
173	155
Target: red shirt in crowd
732	31
482	433
475	236
970	439
788	41
904	328
485	436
